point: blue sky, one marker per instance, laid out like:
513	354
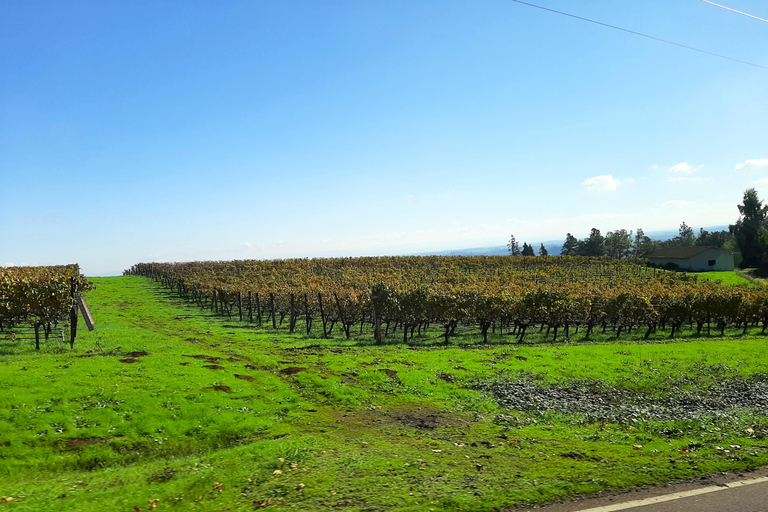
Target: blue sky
176	131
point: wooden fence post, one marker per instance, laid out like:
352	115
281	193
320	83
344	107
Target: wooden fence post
73	315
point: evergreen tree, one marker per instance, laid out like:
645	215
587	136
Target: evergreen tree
685	237
643	245
512	245
594	245
719	239
528	250
751	230
618	244
571	246
543	250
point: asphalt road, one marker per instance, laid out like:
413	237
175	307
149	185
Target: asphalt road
741	492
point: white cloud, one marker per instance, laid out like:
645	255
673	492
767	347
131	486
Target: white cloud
753	165
247	245
762	181
678	202
654	167
681	168
604	183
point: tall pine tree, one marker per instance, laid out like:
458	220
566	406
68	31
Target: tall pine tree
527	250
571	246
751	230
512	245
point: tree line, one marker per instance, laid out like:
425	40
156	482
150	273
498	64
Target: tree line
748	236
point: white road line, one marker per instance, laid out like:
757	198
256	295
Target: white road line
675	496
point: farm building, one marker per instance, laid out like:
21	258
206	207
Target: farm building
693	258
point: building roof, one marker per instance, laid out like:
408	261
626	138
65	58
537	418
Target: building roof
681	253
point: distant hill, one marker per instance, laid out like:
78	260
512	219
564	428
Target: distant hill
553	246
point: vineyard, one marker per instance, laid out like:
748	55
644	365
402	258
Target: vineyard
42	298
556	295
171	405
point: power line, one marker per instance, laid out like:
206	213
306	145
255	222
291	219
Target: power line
734	10
641	34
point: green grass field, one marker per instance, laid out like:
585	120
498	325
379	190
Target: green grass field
165	406
728	278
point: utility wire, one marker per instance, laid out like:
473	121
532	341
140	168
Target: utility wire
734	10
641	34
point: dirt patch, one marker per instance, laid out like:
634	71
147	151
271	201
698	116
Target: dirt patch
85	441
213	366
226	389
392	374
349	377
582	456
292	370
419	417
164	475
183	364
129	360
245	377
252	367
419	420
138	353
210	359
446	377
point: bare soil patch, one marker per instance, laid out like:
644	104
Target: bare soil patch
419	417
392	374
252	367
84	441
292	370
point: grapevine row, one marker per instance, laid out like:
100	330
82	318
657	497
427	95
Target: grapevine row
41	297
484	292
